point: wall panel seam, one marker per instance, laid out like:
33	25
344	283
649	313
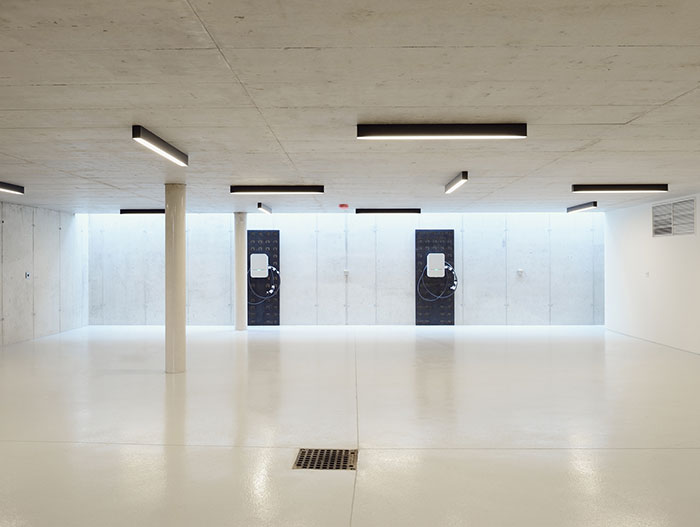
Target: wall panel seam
32	279
505	255
2	268
549	270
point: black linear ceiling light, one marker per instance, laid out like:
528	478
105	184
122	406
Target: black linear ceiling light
620	188
456	182
142	211
385	132
158	145
264	208
582	207
277	189
11	189
387	211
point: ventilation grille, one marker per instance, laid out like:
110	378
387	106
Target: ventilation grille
670	219
326	459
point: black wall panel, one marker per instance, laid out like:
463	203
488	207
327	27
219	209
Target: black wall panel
266	313
441	312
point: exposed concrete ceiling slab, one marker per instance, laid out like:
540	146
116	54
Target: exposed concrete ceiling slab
411	23
144	97
270	92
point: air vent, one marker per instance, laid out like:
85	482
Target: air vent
671	219
326	459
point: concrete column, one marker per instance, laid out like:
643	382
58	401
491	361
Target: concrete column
175	279
241	269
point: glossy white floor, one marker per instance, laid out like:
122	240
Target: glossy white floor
561	426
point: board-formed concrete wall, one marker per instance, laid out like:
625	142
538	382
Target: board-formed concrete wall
127	269
44	272
358	269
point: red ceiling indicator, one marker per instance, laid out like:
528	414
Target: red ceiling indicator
344	206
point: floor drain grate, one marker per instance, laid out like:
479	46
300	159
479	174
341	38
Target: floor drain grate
326	459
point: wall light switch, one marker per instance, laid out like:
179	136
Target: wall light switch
258	265
436	265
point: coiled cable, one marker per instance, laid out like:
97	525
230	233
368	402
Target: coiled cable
447	291
275	284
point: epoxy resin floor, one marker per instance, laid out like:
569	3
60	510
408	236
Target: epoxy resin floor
561	426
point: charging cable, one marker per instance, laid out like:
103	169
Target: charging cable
273	290
430	295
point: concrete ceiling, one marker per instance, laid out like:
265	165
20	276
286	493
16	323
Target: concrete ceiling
269	92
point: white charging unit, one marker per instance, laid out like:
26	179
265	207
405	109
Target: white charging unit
436	265
258	265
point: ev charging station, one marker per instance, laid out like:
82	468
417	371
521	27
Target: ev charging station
436	265
264	279
436	279
259	265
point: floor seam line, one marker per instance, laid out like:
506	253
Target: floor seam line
111	443
651	341
357	429
259	447
533	449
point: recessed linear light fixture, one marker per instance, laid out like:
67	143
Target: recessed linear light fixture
621	188
142	211
456	182
385	132
582	207
12	189
158	145
264	208
387	211
277	189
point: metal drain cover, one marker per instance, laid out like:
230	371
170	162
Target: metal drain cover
326	459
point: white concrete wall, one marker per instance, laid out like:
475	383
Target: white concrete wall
652	285
50	247
560	256
210	269
127	269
